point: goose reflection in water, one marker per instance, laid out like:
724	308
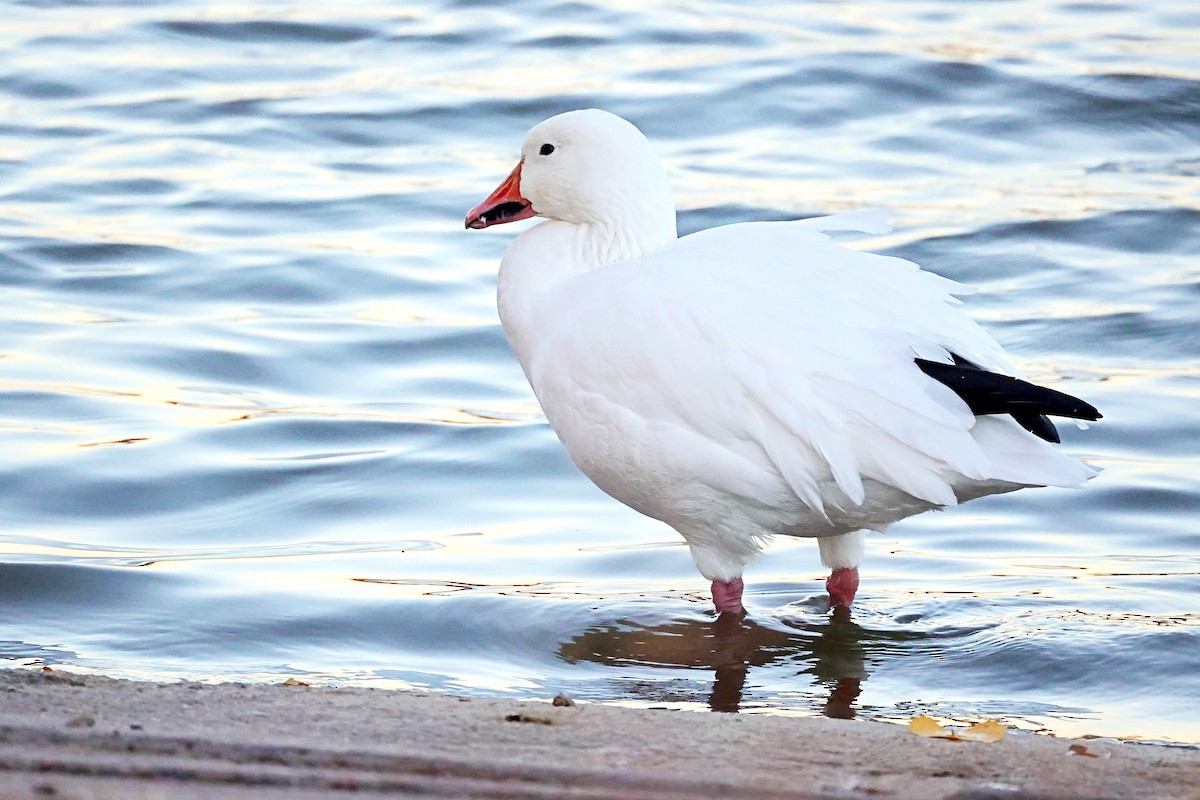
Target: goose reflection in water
831	650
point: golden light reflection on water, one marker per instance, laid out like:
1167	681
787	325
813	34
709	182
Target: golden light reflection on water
971	200
396	312
189	408
161	673
441	416
66	315
214	407
38	548
144	230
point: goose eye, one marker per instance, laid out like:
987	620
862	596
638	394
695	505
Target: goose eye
546	150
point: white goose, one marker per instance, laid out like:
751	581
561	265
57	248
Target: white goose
753	379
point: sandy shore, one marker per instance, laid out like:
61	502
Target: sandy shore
72	736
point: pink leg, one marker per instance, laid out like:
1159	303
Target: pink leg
842	585
727	596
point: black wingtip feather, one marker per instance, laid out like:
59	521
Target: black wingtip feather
991	393
1039	425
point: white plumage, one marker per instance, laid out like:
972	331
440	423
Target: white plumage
747	380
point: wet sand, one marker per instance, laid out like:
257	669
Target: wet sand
74	736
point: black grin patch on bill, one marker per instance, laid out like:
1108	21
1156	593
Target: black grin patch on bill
498	214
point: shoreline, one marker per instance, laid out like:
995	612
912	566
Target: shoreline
73	735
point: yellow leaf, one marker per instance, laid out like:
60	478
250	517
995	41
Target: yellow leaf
294	682
989	731
924	726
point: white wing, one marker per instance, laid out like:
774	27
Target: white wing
768	345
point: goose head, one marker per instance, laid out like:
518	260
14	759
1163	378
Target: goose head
585	167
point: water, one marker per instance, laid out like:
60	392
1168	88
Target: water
259	420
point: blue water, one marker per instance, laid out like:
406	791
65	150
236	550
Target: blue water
258	419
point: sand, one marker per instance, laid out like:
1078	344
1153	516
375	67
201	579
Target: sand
72	736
